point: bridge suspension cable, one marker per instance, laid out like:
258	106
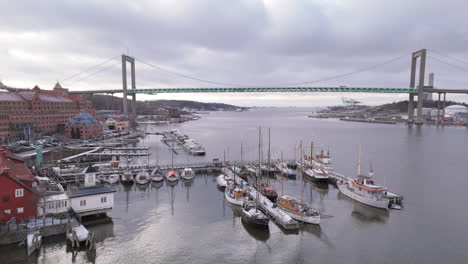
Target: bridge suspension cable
449	63
447	56
94	73
88	69
329	78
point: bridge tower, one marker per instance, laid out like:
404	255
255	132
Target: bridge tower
131	60
421	54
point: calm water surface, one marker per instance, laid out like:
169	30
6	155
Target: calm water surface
191	223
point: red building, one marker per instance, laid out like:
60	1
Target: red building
24	114
83	125
18	198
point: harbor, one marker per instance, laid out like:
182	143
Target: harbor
162	208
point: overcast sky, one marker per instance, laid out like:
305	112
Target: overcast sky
247	42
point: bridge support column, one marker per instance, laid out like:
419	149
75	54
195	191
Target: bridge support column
443	111
411	109
438	111
134	105
126	59
422	67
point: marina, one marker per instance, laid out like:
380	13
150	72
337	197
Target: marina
169	205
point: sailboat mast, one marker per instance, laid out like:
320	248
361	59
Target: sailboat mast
359	161
172	155
242	151
282	174
157	155
259	155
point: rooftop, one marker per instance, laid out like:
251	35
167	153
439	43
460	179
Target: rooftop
90	191
83	118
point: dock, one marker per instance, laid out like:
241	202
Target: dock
278	216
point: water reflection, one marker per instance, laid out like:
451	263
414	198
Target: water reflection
366	214
188	185
257	233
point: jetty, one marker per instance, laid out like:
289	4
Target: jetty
278	216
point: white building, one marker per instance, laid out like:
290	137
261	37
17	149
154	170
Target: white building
53	204
91	199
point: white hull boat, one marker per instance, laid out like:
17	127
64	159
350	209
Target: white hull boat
156	175
351	192
187	174
298	210
222	180
172	176
114	178
234	195
142	178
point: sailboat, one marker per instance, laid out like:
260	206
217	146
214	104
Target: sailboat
251	214
126	177
157	175
187	174
172	175
298	210
234	194
260	184
111	179
364	190
142	177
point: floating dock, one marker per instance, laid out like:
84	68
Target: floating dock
278	216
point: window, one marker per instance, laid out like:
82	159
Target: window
20	210
19	193
104	199
7	211
65	203
83	203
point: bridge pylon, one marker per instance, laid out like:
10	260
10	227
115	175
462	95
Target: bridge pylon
421	54
131	60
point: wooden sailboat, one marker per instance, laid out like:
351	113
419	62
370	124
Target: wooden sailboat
251	214
172	175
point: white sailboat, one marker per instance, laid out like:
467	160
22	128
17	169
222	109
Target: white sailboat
142	177
234	195
187	174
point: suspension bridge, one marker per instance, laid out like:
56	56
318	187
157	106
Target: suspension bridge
413	90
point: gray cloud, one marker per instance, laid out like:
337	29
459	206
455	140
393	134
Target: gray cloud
246	42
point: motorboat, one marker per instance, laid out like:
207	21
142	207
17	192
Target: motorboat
172	176
285	170
126	177
317	175
187	174
157	175
234	195
111	179
142	178
251	215
298	210
323	161
365	191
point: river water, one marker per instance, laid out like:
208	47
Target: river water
191	223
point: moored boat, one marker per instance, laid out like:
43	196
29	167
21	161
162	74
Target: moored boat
222	180
113	178
157	175
126	177
264	188
317	175
298	210
187	174
364	190
172	176
234	195
253	216
142	178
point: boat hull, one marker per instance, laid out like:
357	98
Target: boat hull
254	222
157	178
238	202
379	204
301	218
